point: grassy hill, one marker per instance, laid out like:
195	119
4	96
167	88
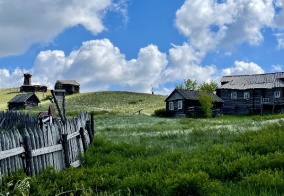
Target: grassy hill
120	102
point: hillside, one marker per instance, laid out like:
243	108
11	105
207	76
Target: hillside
103	102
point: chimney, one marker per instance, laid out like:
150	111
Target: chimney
27	79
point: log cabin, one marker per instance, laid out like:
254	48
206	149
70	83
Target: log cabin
185	103
70	86
258	93
23	101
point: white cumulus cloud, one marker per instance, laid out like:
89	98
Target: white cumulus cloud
209	24
185	62
24	23
242	68
98	64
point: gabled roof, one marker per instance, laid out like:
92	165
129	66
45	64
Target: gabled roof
21	98
193	95
72	82
242	82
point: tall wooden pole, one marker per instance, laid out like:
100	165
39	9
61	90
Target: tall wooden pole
58	108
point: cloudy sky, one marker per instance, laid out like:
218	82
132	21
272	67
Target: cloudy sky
132	45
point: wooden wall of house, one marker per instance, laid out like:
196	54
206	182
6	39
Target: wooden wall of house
16	106
242	105
69	88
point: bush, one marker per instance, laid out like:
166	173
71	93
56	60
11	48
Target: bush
193	184
163	113
265	179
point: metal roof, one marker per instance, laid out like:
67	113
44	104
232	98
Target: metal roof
21	98
72	82
242	82
193	95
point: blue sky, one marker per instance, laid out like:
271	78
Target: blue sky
133	44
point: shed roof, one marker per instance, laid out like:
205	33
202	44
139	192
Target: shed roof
72	82
242	82
193	95
21	98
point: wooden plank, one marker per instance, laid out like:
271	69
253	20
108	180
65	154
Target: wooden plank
46	150
48	142
33	145
11	145
76	164
30	168
57	155
72	135
28	155
12	152
37	144
19	139
41	144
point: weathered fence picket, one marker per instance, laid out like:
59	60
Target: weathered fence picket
24	144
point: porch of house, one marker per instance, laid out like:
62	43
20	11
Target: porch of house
273	105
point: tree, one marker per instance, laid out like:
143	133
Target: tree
208	87
187	85
206	102
205	98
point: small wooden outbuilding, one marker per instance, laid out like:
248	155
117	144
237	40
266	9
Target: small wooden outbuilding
70	86
47	116
23	101
185	102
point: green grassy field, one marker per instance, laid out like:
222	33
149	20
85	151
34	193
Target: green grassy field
148	155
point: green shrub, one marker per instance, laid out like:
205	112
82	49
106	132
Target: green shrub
133	102
265	179
163	113
192	184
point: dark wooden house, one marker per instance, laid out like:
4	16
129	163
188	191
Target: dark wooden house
185	102
70	86
259	93
23	101
28	87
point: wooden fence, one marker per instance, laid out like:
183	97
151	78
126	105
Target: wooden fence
27	144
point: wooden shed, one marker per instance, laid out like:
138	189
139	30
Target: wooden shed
23	101
70	86
185	102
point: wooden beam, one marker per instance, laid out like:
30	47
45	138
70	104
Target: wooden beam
58	108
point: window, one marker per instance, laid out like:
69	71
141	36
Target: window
179	104
277	94
246	95
171	106
234	95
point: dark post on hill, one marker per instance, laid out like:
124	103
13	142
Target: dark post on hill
59	95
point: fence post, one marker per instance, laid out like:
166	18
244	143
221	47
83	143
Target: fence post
65	146
83	139
28	155
88	127
92	124
41	123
